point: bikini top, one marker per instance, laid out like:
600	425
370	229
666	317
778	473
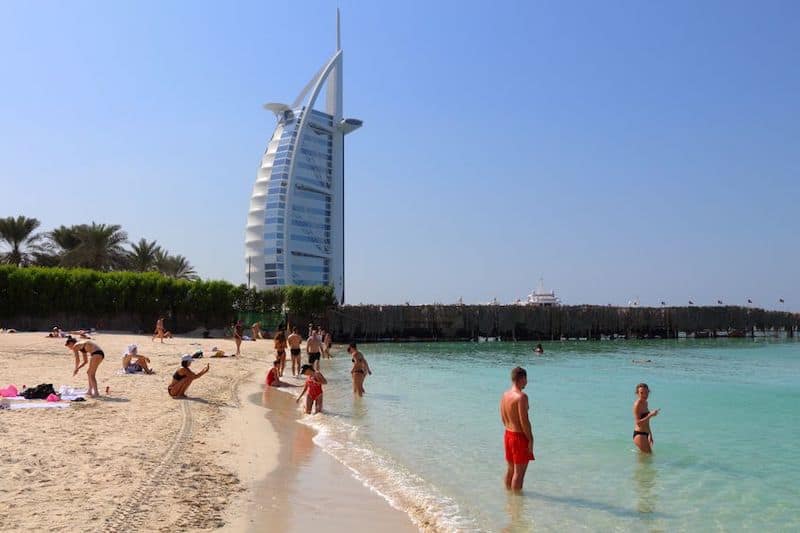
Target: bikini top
644	414
177	376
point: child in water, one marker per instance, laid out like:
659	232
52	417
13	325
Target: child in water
314	382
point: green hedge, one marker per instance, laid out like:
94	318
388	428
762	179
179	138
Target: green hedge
41	291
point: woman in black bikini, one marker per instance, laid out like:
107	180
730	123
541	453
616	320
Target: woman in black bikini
360	369
642	434
184	377
87	348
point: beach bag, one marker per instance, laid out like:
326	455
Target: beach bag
39	392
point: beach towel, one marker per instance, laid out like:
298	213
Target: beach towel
69	393
38	405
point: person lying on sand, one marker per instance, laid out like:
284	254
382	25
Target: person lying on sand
314	382
97	355
184	377
273	376
132	362
56	332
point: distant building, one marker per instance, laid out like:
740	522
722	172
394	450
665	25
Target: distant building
543	297
295	226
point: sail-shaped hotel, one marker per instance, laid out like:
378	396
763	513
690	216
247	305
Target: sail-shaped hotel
295	226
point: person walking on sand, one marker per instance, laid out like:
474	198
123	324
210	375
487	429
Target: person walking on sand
280	349
87	348
183	377
294	340
314	349
238	332
642	434
314	382
359	371
256	330
518	438
159	330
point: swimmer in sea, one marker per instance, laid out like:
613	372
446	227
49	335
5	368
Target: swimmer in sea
538	349
518	437
642	434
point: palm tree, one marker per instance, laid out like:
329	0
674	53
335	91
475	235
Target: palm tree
144	256
17	233
99	247
176	266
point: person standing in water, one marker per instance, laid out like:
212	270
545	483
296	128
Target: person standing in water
238	332
642	434
360	369
314	349
280	349
294	340
314	382
97	355
518	438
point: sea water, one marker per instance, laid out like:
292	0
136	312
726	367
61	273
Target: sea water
427	435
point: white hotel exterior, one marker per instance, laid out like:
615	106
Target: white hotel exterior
295	226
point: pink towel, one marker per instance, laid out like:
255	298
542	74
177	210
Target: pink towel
9	392
53	398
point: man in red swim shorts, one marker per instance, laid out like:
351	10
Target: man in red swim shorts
519	434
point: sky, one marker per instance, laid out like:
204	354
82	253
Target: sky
621	151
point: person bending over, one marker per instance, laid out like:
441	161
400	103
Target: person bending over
518	438
314	382
642	434
87	349
184	377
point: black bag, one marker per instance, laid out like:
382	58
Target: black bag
39	392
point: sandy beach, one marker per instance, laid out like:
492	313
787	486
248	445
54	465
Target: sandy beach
135	459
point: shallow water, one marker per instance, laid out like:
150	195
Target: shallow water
428	436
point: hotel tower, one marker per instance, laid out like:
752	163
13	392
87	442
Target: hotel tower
295	226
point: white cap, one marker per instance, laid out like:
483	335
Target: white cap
186	357
133	348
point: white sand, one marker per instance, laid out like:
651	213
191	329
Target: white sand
136	459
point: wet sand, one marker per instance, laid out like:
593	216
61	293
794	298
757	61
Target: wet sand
308	490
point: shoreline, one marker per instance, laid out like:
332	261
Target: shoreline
136	459
307	488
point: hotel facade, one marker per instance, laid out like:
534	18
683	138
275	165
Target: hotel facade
295	226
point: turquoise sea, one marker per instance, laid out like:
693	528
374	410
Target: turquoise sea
428	438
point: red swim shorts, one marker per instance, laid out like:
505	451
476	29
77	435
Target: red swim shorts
517	448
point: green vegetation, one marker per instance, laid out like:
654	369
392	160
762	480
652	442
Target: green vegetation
94	246
45	291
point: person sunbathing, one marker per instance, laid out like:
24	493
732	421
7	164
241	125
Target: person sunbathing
57	333
184	377
133	363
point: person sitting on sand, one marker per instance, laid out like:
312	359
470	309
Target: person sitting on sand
133	363
85	348
538	349
642	434
273	376
183	377
314	382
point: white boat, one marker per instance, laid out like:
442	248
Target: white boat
541	297
488	339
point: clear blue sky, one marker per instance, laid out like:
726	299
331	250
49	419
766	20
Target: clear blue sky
621	149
